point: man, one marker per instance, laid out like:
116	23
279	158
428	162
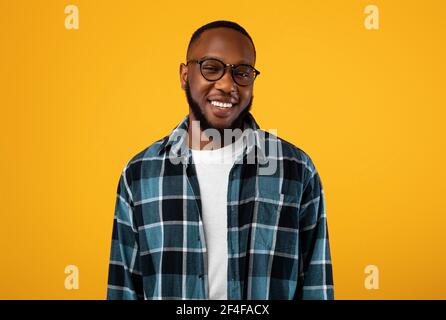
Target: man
203	216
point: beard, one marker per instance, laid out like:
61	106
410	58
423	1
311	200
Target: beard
201	117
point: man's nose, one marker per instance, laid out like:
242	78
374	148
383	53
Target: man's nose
226	83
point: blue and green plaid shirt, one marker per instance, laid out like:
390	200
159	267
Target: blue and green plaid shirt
278	244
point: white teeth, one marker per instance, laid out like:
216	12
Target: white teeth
221	104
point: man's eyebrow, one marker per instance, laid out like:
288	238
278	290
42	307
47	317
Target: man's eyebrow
218	58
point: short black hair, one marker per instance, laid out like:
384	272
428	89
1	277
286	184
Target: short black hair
219	24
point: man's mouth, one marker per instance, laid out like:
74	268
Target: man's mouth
222	105
222	109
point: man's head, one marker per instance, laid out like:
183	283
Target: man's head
219	102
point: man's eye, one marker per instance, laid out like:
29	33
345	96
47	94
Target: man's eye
242	74
210	69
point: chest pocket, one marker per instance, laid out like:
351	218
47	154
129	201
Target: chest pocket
276	224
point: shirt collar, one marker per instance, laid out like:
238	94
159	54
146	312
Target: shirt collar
177	140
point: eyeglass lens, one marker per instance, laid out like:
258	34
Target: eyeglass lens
213	70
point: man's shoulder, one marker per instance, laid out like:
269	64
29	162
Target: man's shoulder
145	156
289	151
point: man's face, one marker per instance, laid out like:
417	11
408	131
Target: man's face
228	46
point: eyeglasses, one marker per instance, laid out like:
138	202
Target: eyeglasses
213	69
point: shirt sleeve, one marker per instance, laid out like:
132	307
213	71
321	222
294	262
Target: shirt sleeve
124	277
315	271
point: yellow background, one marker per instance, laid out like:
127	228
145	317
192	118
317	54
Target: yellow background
367	105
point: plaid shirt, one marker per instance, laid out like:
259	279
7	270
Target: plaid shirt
278	244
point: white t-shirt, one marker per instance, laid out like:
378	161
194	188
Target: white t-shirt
213	168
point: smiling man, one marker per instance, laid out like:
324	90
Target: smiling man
197	215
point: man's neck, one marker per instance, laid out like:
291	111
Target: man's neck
199	140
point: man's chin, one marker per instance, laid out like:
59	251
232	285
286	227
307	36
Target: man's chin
220	123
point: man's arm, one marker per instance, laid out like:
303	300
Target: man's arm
124	277
315	270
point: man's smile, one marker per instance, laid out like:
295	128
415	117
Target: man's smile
221	104
221	109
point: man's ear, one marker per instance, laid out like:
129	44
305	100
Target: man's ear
183	75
